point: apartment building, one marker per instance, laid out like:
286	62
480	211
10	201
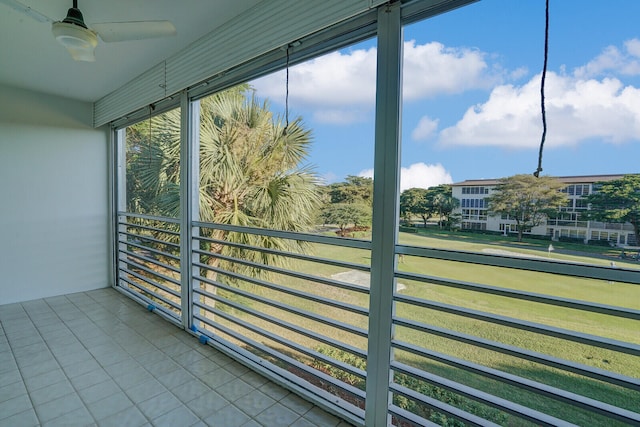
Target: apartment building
568	222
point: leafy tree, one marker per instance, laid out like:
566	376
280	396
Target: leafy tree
617	201
355	189
250	174
441	202
526	199
428	202
152	165
413	202
345	214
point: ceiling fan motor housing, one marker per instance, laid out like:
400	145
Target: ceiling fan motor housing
74	16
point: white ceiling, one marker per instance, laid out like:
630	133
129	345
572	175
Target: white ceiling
31	58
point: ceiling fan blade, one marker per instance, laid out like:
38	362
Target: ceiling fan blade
26	10
134	30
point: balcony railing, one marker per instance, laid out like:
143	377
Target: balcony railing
149	261
295	306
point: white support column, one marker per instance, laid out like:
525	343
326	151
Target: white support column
189	199
113	206
385	212
120	199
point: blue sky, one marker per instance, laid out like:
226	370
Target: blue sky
472	94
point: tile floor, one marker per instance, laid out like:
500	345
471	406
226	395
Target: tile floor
99	358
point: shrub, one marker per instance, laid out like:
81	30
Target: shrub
412	383
408	229
600	243
571	239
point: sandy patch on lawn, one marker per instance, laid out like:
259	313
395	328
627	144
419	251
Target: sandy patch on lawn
359	278
511	253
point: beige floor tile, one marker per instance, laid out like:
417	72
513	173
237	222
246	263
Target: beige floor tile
58	407
229	416
180	416
109	406
23	419
159	405
84	363
254	403
277	416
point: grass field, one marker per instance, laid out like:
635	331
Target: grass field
617	294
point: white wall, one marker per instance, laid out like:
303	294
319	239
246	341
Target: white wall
53	197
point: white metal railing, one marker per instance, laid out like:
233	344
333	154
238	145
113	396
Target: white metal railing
149	261
281	309
290	316
559	381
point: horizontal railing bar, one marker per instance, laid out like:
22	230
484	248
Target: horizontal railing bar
274	337
524	383
478	396
539	328
290	273
404	415
539	265
150	217
543	359
280	356
150	282
628	313
141	299
303	313
150	249
286	254
149	291
137	265
300	294
147	227
291	235
442	407
147	259
151	239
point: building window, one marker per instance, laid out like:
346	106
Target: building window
581	204
468	225
475	190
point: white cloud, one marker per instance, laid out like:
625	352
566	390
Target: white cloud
633	47
328	178
613	61
577	109
367	173
340	116
423	176
432	69
340	87
425	129
518	73
419	175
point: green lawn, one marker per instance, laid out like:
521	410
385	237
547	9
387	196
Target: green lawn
618	294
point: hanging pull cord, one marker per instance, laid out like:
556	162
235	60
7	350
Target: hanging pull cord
151	108
286	97
542	81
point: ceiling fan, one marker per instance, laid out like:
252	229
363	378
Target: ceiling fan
81	41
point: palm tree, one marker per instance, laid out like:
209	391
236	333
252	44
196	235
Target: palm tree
251	174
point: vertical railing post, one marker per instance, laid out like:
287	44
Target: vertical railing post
385	212
119	200
189	199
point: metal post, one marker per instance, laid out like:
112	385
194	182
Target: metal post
113	206
189	200
120	201
385	212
